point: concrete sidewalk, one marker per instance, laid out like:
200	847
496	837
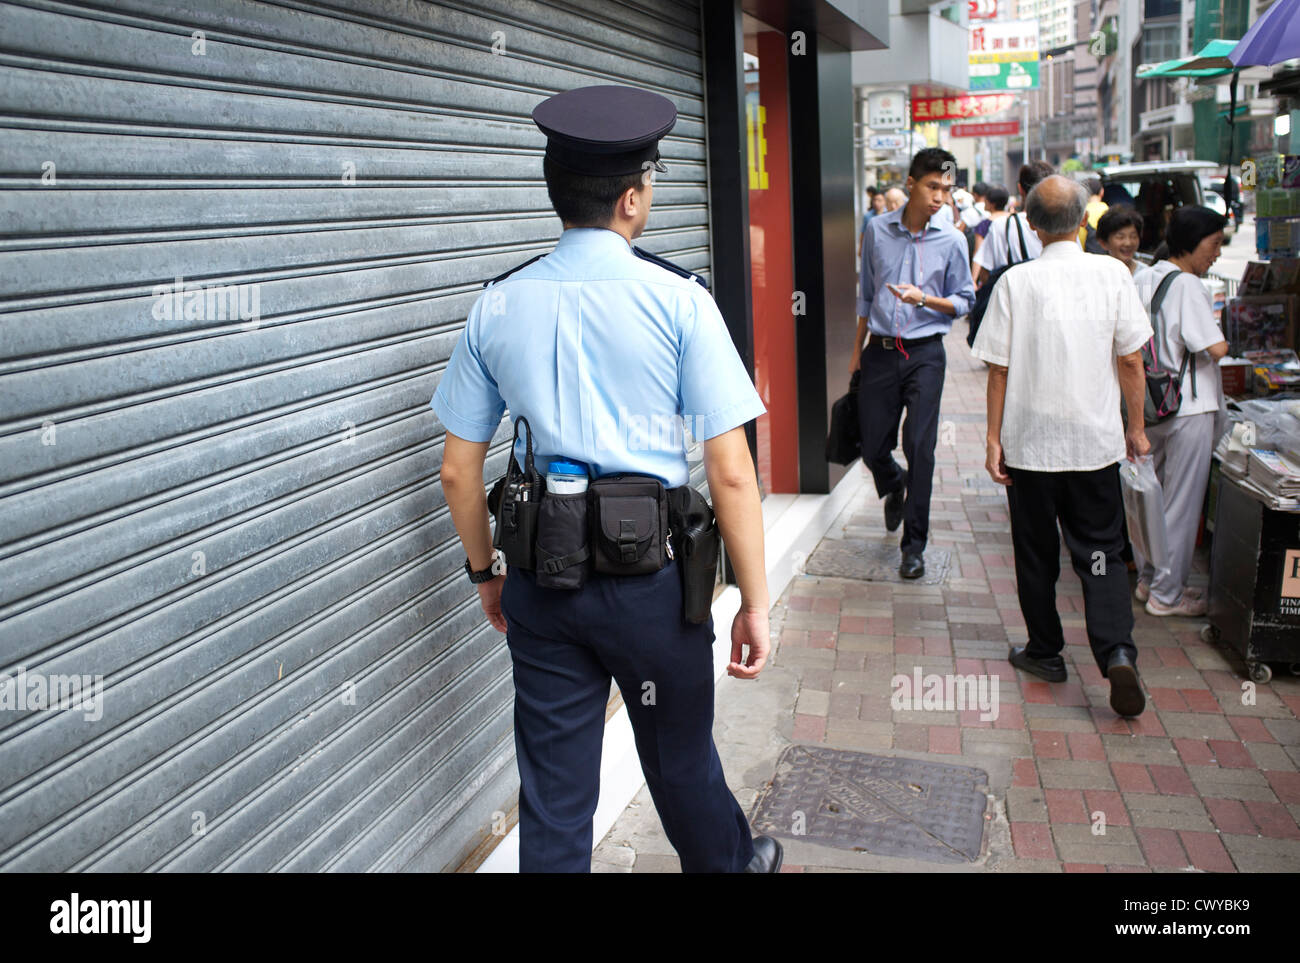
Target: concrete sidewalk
1201	781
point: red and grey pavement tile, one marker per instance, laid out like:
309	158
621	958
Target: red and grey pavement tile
1205	780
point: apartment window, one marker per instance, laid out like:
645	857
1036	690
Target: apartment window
1159	43
1158	93
1162	8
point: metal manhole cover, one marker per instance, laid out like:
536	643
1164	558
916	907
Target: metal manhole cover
882	805
872	561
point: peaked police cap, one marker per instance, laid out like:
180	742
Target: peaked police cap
604	131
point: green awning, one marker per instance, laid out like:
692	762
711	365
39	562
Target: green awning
1210	61
1214	56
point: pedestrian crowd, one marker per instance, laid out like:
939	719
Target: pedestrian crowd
1094	359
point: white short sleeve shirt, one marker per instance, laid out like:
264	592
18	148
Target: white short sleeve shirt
993	252
1187	320
1057	324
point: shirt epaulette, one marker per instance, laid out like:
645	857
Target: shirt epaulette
517	267
669	266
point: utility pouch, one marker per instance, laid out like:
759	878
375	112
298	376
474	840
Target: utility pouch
515	500
629	524
698	545
562	541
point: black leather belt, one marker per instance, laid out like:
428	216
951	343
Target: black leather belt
893	344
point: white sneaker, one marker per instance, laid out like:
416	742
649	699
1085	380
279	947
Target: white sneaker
1185	606
1143	590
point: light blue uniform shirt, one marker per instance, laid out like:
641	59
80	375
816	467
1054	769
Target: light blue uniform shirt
607	356
936	261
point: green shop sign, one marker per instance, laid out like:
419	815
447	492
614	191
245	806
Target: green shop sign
1012	75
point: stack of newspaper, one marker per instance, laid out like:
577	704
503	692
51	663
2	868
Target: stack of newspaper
1233	449
1273	477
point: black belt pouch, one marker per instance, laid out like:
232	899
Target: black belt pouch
629	524
517	531
515	502
562	541
698	546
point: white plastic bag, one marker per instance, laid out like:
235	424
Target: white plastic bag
1144	508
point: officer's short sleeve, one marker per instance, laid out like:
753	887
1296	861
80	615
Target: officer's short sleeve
715	392
467	400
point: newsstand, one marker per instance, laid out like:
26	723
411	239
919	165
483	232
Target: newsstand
1254	602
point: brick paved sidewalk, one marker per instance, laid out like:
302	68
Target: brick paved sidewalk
1201	781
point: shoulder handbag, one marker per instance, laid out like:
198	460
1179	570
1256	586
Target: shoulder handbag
844	441
986	289
1164	394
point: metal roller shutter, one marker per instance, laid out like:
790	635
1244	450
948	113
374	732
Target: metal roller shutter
237	521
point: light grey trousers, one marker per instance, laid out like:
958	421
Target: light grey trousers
1181	448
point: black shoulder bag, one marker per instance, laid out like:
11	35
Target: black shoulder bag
986	290
844	440
1164	395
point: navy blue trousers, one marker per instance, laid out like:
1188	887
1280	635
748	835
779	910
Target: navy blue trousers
889	384
566	645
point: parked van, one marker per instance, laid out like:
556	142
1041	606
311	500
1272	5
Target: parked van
1156	189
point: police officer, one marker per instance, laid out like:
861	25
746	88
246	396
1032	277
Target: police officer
599	346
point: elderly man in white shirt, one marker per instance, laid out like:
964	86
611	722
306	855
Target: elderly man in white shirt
1063	337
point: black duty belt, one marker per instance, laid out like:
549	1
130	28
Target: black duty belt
893	344
623	524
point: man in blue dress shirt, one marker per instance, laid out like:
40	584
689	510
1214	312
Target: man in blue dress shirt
915	279
609	352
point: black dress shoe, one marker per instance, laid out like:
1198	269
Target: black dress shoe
894	509
767	856
1126	695
1051	668
913	565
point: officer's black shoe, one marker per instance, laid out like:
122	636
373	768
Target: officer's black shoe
1051	668
894	509
1126	695
767	856
913	565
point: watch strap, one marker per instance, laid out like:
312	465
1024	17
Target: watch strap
498	567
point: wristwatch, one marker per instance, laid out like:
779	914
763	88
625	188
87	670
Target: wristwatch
498	567
922	303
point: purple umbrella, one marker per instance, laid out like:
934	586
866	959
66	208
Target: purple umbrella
1275	37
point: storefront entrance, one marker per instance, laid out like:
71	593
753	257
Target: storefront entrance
776	305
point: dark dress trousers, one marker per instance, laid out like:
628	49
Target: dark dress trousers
891	383
1090	509
566	645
